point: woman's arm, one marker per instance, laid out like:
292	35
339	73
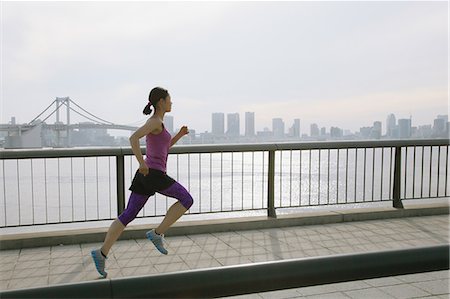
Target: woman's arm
183	131
149	126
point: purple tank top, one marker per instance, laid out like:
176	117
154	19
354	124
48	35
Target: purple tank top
158	149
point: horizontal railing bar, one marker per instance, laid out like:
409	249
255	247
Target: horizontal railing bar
254	277
215	148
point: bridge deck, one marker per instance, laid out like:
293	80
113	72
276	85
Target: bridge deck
32	267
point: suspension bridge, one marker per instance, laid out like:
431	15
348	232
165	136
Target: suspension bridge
60	133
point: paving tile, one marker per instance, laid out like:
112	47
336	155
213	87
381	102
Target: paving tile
252	250
417	277
337	295
371	293
7	267
227	252
138	271
435	287
253	235
10	257
280	294
34	257
172	267
333	287
33	272
403	291
384	281
180	241
201	264
294	254
85	275
164	259
62	269
206	239
216	247
28	282
67	261
228	261
445	274
4	285
196	256
134	262
185	249
31	264
6	275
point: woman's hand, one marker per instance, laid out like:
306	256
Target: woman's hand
143	169
183	131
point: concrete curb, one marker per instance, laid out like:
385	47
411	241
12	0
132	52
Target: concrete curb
92	235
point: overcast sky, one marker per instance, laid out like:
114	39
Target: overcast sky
342	64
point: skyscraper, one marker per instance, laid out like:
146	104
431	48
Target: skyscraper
218	123
296	128
376	130
278	127
249	124
439	127
390	125
233	127
314	130
404	128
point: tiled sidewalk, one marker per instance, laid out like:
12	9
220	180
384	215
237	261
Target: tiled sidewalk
65	264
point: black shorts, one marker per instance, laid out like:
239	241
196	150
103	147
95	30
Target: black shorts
155	180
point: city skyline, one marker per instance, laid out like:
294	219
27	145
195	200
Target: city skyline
337	63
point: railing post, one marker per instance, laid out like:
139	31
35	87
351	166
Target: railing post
120	168
271	186
397	202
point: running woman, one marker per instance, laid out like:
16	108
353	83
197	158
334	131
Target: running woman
150	178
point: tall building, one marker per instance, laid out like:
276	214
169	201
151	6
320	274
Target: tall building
390	126
336	132
249	124
278	127
323	131
314	130
404	128
233	127
294	131
439	127
168	121
376	130
218	124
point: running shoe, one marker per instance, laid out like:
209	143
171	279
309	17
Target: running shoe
157	240
99	261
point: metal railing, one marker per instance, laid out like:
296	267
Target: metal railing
88	184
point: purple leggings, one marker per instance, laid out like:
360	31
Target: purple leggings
137	201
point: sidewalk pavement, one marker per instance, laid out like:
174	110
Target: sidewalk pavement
42	266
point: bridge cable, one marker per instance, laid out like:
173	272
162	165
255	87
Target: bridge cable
43	112
96	121
53	112
72	101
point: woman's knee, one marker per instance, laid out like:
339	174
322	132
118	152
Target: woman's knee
127	216
186	200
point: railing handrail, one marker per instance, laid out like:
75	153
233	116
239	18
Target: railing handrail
217	148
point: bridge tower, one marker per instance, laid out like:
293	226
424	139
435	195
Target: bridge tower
60	126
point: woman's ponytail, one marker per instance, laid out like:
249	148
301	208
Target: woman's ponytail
147	109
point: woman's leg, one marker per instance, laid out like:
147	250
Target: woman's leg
177	210
135	204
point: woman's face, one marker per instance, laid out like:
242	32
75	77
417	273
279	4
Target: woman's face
168	104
